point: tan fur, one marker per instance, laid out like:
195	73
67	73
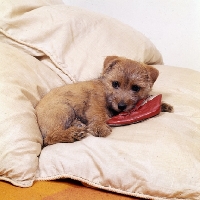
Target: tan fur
68	113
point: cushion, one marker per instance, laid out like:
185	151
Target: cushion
23	81
68	39
155	159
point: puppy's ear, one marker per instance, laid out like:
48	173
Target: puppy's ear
109	62
153	73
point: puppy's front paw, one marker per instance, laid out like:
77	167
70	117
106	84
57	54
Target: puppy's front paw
99	130
78	134
166	107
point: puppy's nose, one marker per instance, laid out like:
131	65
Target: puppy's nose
122	106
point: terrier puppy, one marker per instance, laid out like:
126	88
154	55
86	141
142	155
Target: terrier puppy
68	113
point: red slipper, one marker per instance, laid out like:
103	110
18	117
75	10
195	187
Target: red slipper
144	109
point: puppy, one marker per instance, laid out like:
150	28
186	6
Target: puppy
68	113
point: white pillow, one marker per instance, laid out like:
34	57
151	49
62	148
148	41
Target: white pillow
72	38
155	159
23	81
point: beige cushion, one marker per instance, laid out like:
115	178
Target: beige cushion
157	158
72	38
23	81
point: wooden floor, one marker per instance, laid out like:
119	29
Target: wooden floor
57	190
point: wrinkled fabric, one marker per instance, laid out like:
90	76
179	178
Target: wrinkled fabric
158	158
23	81
55	45
72	39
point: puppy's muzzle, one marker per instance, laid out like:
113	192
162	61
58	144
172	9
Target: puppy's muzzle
122	105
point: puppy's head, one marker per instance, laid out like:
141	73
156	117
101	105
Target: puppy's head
126	82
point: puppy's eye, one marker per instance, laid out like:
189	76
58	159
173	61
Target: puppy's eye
115	84
135	88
